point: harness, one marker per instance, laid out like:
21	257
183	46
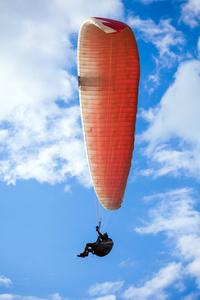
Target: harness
103	247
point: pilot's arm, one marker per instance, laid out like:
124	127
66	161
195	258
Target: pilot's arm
99	233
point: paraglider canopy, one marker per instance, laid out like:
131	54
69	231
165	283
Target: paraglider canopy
108	70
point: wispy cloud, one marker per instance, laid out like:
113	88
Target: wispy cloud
192	296
105	288
55	296
174	213
176	216
127	263
190	13
109	297
163	36
5	281
40	131
149	1
173	133
18	297
7	297
154	288
198	47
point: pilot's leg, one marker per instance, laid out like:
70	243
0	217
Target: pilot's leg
87	249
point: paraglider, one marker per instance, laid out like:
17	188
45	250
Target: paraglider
101	247
108	73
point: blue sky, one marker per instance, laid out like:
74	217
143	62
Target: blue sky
47	203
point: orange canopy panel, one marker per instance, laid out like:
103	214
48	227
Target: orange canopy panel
108	70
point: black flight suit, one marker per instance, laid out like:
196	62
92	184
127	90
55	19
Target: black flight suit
101	247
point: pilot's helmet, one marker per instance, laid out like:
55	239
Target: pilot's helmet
106	235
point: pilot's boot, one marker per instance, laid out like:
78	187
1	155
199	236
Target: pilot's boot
81	255
84	254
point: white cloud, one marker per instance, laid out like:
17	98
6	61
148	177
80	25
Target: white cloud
67	188
175	215
149	1
192	296
105	288
198	47
17	297
174	124
190	13
6	297
154	288
188	247
5	281
39	138
164	37
55	296
109	297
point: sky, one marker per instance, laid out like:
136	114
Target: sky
47	202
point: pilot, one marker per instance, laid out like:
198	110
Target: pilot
101	247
